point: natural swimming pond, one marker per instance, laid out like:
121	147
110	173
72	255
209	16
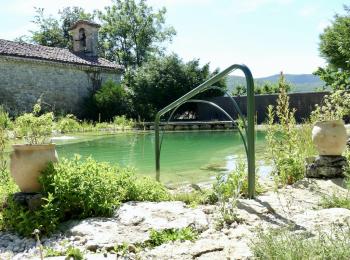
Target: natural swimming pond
185	157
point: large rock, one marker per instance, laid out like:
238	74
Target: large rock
133	221
326	166
323	220
161	215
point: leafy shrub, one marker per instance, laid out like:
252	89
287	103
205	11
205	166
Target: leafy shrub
85	188
335	106
33	127
235	183
147	189
283	245
287	144
196	197
80	189
111	99
5	121
20	219
158	238
68	124
75	253
122	121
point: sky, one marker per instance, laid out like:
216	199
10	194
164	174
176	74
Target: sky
268	36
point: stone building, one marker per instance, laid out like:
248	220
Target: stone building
60	77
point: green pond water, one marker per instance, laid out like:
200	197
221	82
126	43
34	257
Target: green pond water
185	157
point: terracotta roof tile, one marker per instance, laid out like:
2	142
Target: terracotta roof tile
26	50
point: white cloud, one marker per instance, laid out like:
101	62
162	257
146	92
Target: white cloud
307	11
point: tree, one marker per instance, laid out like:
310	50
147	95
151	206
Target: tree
335	48
261	89
132	32
161	81
111	100
55	32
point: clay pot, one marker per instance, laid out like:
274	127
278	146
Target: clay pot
27	162
329	137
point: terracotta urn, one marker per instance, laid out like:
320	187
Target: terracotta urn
329	137
27	162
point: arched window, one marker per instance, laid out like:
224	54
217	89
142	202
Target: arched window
82	38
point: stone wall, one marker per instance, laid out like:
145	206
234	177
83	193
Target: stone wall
62	87
304	103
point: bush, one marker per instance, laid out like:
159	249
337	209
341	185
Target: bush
122	121
235	183
110	100
161	81
335	107
85	188
5	121
33	127
147	189
287	144
18	218
68	124
80	189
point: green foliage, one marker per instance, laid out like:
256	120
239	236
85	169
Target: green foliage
35	128
68	124
55	32
158	238
5	121
287	144
49	252
122	121
335	107
132	32
336	79
196	197
75	253
335	48
283	245
234	184
111	100
335	201
228	189
260	89
161	81
80	189
16	217
147	189
85	188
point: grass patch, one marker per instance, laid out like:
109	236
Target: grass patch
281	244
335	201
195	198
158	238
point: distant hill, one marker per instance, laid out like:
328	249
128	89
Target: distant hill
299	82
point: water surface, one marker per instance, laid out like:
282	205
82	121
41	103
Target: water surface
185	156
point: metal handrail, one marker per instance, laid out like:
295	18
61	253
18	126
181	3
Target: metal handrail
250	119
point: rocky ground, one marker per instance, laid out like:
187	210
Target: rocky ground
296	205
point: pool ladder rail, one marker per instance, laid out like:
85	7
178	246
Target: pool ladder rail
248	136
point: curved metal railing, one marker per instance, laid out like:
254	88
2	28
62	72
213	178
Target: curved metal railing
249	141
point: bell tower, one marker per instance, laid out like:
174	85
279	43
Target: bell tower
85	37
